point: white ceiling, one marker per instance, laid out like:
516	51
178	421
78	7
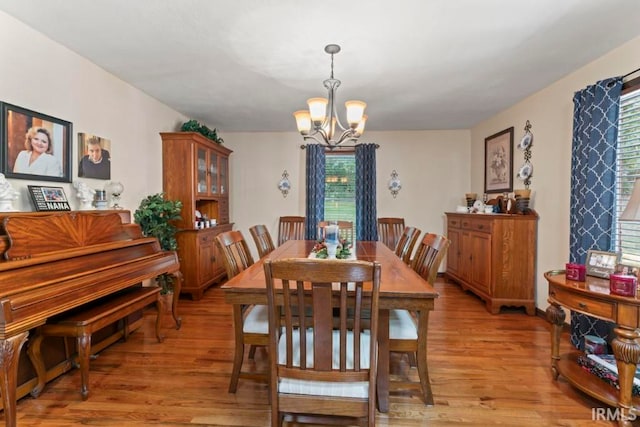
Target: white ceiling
246	65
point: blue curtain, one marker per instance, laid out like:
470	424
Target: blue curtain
315	189
593	184
366	214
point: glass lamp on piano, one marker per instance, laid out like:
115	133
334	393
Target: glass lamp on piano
115	188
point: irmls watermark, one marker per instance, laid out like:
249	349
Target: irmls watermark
612	414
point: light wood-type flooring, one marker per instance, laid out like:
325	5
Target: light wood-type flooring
486	370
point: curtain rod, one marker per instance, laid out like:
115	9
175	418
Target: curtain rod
337	147
632	72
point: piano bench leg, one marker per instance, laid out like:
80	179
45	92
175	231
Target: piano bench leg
35	356
84	353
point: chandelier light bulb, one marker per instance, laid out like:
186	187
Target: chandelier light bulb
318	109
360	127
303	121
355	111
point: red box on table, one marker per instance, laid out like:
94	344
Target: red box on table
623	284
576	271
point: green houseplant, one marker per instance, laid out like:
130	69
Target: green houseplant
195	126
156	216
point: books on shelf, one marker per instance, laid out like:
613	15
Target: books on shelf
604	367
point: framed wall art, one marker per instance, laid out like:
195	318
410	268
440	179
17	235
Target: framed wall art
498	162
601	264
34	146
94	156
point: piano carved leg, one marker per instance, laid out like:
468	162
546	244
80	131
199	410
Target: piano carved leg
9	356
84	353
35	356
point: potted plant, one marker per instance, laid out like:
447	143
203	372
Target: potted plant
156	217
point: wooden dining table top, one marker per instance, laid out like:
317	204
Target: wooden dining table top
398	280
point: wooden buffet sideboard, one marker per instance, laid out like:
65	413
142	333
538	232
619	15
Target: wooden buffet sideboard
592	297
494	256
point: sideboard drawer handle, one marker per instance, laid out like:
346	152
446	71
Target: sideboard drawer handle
552	293
582	305
480	227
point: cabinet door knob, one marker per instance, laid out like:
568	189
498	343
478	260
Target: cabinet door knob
552	293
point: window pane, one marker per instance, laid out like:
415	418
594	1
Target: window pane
628	170
340	188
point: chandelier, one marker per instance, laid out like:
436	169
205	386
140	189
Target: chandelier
319	122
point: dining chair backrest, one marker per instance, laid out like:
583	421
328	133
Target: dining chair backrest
345	229
235	251
406	243
316	367
290	228
262	238
429	255
390	230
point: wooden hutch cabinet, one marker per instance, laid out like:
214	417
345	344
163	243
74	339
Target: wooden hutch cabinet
494	256
196	172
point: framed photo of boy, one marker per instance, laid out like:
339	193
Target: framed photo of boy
94	156
601	264
498	162
34	146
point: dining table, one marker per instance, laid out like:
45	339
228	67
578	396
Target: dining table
400	288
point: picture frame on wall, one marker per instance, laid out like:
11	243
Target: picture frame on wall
34	146
94	156
601	263
498	162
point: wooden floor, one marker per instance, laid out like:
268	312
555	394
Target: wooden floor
486	370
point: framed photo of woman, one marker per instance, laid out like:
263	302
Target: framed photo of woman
34	146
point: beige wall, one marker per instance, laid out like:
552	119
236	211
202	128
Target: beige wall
550	111
436	167
433	167
41	75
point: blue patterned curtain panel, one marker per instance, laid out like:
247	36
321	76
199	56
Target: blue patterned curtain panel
315	189
366	213
593	184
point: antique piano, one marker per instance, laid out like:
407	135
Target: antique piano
56	262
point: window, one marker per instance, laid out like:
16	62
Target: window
340	187
628	158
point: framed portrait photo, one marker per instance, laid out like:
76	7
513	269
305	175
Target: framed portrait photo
498	162
601	264
34	145
94	156
631	270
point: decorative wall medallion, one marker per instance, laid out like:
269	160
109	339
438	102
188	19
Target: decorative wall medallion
394	184
284	185
526	170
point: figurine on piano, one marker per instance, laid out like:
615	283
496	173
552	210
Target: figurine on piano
7	195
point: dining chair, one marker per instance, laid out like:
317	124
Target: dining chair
403	324
345	229
290	228
390	230
262	238
406	242
319	371
250	322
